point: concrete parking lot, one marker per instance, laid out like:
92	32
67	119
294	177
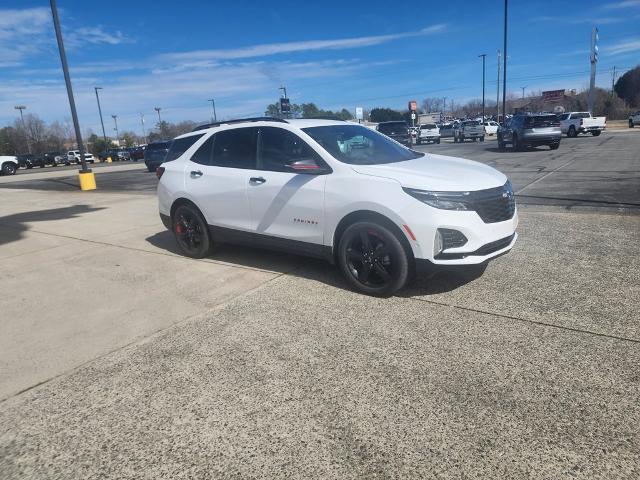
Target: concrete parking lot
119	358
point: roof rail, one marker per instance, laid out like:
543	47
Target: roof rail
239	120
327	117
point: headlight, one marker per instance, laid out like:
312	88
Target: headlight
442	200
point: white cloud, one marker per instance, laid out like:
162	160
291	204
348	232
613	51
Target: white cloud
626	46
623	4
292	47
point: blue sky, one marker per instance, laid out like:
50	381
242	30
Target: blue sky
176	55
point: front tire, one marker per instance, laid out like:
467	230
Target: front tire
8	168
372	259
191	231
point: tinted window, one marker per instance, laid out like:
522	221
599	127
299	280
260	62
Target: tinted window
235	148
158	146
204	153
428	126
181	145
541	121
393	127
358	145
279	147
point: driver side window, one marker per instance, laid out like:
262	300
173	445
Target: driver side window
278	148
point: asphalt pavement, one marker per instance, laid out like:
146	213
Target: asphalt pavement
253	364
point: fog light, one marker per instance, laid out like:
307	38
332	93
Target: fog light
437	243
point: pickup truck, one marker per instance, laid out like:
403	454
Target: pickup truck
469	129
8	165
634	119
73	156
573	123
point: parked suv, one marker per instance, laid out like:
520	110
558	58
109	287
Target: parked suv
398	131
155	154
472	129
334	190
530	130
634	119
429	132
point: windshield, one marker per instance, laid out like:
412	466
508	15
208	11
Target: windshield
428	126
358	145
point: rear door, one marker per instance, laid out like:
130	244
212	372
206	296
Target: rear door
217	175
283	203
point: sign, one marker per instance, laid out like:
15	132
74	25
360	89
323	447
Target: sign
553	95
413	105
413	115
359	113
285	106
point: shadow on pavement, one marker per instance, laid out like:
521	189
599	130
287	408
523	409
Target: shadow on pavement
427	282
16	223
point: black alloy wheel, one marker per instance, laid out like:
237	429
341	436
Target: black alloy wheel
372	259
191	232
8	168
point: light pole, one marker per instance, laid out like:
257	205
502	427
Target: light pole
498	93
115	119
484	57
157	109
523	91
504	69
104	135
24	128
89	184
444	107
213	108
144	133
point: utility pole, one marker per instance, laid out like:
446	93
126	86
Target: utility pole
523	90
498	93
444	107
594	61
115	119
504	68
284	90
86	182
484	56
157	109
104	135
144	133
613	81
24	128
213	108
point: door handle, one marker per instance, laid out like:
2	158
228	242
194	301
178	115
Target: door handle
196	173
257	180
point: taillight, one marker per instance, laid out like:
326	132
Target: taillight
159	172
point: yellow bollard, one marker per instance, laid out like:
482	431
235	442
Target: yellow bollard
87	180
109	159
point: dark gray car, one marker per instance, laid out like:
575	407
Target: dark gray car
530	130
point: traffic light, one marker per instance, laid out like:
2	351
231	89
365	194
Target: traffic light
285	106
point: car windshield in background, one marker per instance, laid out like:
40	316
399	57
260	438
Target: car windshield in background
358	145
393	128
471	123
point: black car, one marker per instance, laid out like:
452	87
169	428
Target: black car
29	160
154	154
136	153
398	131
49	158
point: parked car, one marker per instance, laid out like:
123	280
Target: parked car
8	164
472	129
446	130
397	130
573	123
53	158
73	156
530	130
429	132
634	119
26	160
155	154
491	127
137	153
335	190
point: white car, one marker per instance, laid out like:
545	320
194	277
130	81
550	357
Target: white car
74	156
335	190
634	119
491	127
8	164
429	132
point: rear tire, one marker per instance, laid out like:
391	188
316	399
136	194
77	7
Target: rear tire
372	259
630	123
572	133
9	168
482	139
596	133
554	146
438	141
515	143
191	231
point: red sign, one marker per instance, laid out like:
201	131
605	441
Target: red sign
413	105
553	95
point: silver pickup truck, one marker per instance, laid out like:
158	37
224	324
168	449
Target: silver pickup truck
469	129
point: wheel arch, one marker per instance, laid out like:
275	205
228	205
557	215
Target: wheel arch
182	201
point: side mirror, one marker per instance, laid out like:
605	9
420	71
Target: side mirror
307	166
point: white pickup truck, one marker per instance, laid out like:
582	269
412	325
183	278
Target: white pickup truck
8	165
573	123
634	119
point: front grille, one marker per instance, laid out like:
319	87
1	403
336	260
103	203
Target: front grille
494	204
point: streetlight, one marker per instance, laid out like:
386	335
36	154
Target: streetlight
157	109
104	135
498	92
523	91
115	119
24	128
213	108
484	56
504	59
86	176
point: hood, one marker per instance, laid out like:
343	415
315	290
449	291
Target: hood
438	173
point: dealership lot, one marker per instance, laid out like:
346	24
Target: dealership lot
119	355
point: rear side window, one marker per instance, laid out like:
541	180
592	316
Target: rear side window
235	148
181	145
204	153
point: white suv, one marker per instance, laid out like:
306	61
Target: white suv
336	190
